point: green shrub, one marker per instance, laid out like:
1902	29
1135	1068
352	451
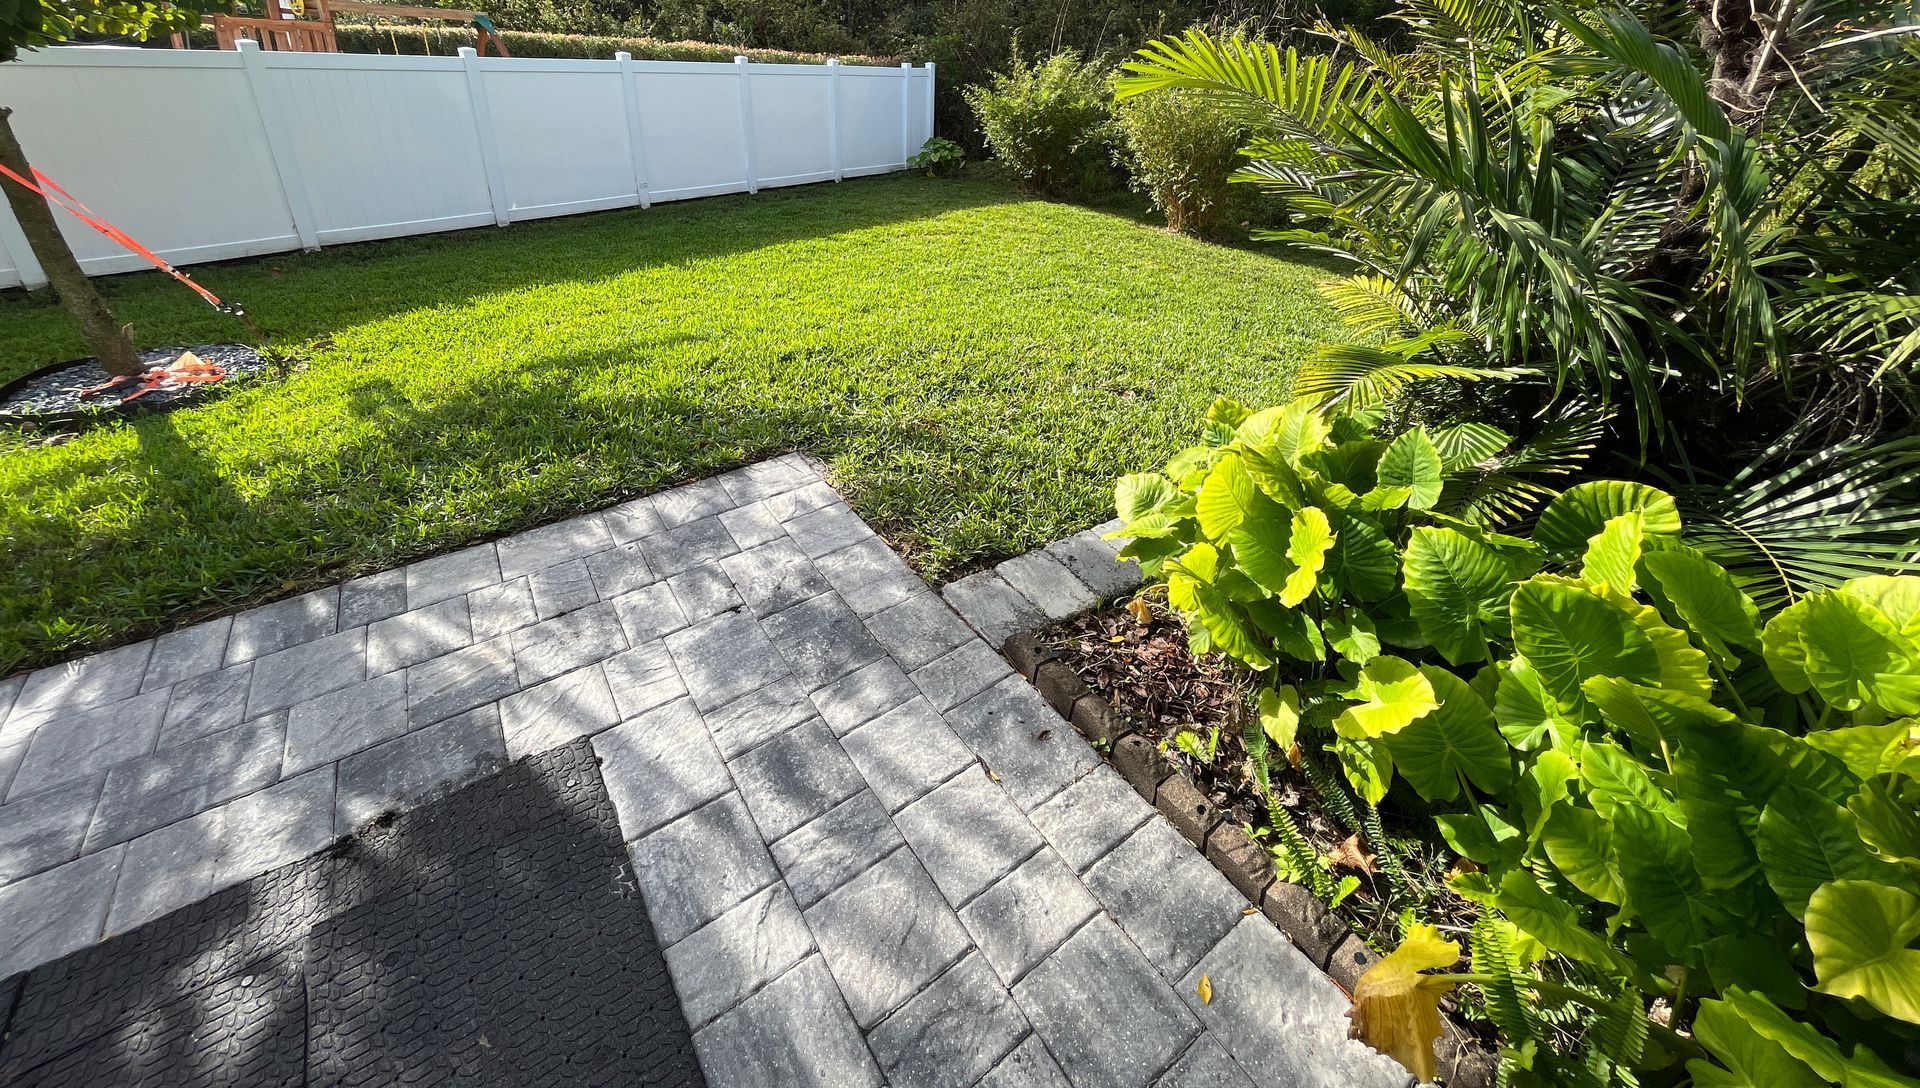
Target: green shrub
1669	798
939	157
1050	124
1179	148
446	40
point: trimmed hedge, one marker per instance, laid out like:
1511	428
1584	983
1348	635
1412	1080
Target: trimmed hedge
445	40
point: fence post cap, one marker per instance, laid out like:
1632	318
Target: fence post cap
245	45
739	59
833	62
623	56
906	64
468	51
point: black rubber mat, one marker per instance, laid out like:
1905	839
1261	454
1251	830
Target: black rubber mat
494	937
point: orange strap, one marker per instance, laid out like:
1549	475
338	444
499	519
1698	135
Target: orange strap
50	191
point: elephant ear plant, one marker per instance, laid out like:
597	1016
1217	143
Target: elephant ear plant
1691	830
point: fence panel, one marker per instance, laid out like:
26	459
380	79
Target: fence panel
211	155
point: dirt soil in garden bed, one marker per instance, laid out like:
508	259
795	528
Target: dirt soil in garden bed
1144	670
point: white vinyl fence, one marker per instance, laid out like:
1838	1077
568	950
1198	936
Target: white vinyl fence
206	155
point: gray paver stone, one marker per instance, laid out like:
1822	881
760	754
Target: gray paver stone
994	608
765	479
632	520
642	679
175	783
863	694
717	966
552	545
79	743
919	629
685	547
420	635
619	570
56	912
692	502
789	505
452	574
502	609
822	639
870	576
1028	1066
724	658
1206	1064
187	652
1095	562
105	677
759	716
951	1033
795	1033
886	934
1282	1019
1045	581
774	576
343	722
565	643
478	675
1170	900
659	767
830	851
165	870
649	614
302	672
275	826
12	751
1104	1014
700	866
1033	750
206	704
959	675
1019	921
45	829
415	768
795	777
260	631
906	752
563	709
969	834
373	597
827	529
753	524
704	592
561	588
1091	817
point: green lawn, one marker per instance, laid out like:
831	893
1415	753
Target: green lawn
976	366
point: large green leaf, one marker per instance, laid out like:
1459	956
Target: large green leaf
1577	513
1847	651
1751	1060
1456	588
1580	845
1861	934
1392	694
1287	432
1191	588
1616	781
1887	812
1528	715
1655	859
1808	1045
1412	463
1225	498
1311	536
1549	920
1867	750
1613	553
1351	634
1149	504
1655	719
1568	633
1433	751
1805	841
1362	561
1700	596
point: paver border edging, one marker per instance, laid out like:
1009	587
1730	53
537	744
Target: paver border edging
1303	919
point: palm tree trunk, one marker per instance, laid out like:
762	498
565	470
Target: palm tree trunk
105	337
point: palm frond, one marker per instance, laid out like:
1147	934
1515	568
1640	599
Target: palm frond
1357	376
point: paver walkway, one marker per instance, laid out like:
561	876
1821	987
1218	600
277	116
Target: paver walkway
873	853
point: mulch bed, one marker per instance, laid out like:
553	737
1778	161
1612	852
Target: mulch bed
1145	671
52	394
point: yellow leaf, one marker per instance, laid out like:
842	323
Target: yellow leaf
1396	1009
1206	989
1140	610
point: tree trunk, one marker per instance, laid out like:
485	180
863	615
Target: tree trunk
105	337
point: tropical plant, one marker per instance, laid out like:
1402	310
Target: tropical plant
1050	124
1690	821
1180	150
938	157
1697	204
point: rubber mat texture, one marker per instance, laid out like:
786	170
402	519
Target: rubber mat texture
494	937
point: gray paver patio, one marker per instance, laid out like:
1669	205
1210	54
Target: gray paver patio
873	853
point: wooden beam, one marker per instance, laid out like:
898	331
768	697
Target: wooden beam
403	11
